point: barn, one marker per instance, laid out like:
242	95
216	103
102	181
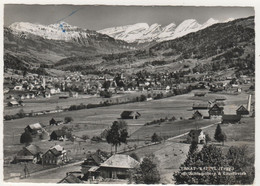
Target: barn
130	115
242	110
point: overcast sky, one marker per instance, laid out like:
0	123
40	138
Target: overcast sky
100	17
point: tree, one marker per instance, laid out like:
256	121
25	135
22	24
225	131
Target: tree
68	119
208	139
220	136
142	98
147	173
208	167
156	138
26	138
117	134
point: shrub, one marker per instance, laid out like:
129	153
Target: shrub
68	119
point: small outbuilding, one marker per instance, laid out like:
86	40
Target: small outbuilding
58	135
130	115
197	115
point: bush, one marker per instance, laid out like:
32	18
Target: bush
68	119
96	138
134	155
85	137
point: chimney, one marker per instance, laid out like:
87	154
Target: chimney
249	102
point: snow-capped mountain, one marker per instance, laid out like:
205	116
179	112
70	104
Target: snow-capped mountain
61	31
142	32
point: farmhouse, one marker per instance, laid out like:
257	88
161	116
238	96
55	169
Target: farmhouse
56	155
197	136
118	166
242	110
13	103
197	115
34	129
231	118
58	135
198	106
91	164
216	111
29	153
130	115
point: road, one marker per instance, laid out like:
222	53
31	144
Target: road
58	173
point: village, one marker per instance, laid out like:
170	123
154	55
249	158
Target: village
60	138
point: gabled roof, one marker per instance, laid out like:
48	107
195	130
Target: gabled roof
242	108
216	107
197	113
59	133
33	149
13	102
70	178
120	161
35	126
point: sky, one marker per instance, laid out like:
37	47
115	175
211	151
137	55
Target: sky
99	17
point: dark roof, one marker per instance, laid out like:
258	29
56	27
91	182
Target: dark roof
55	152
58	133
70	178
197	113
216	107
33	149
242	108
129	113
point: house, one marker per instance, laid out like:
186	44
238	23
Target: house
29	153
56	155
18	87
197	115
198	106
13	103
118	166
34	129
53	121
216	111
130	115
197	136
71	177
91	164
58	135
231	118
242	110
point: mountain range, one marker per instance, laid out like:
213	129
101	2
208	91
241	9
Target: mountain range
143	33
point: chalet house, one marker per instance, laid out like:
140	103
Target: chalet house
198	106
197	115
71	177
216	111
34	129
56	155
58	135
242	111
197	136
118	166
130	115
231	118
91	164
29	153
13	103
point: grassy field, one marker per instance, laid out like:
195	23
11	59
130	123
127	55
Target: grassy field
92	122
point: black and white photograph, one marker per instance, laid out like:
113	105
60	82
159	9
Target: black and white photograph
128	94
